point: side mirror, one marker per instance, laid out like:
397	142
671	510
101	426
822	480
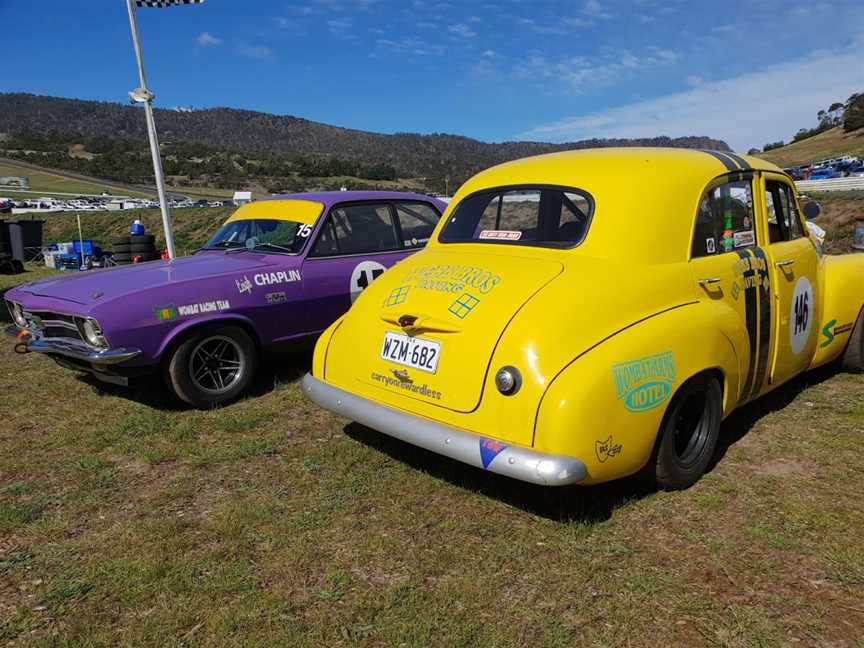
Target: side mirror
811	210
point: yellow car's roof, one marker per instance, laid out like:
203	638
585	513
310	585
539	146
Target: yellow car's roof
645	199
295	210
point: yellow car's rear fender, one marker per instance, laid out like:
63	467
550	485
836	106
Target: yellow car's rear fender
606	407
842	288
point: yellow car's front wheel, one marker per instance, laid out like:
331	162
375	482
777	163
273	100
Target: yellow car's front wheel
688	434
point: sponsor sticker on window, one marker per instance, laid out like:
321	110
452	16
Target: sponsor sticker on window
501	235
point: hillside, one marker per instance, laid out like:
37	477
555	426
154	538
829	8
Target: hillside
259	134
831	143
49	182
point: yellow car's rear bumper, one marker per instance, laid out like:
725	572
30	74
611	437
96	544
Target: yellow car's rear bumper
495	456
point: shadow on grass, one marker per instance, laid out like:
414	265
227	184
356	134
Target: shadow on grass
581	504
275	368
585	504
742	420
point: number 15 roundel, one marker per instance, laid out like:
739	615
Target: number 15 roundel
801	317
364	274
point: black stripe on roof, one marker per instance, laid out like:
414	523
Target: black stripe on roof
741	161
727	162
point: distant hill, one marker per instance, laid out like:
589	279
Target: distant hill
257	133
831	143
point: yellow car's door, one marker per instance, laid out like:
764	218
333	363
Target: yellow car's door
794	266
730	270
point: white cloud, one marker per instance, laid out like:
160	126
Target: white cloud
745	111
208	40
260	52
461	29
584	73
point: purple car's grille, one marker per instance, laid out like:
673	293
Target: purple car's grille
54	325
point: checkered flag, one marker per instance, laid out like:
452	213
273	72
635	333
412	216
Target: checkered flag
161	4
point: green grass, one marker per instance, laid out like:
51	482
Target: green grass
124	520
45	183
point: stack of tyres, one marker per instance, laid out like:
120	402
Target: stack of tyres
136	248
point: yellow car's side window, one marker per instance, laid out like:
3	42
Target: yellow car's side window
784	223
725	221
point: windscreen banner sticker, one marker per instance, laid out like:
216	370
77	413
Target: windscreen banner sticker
800	315
364	274
453	278
501	235
645	383
489	449
275	278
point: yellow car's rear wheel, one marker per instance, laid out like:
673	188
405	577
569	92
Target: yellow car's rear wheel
688	434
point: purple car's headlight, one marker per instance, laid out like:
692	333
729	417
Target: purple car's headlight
91	332
17	315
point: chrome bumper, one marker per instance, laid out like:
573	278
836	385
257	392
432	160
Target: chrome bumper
517	462
76	350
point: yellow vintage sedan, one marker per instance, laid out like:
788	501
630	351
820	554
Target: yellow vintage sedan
582	316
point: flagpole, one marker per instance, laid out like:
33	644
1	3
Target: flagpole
143	95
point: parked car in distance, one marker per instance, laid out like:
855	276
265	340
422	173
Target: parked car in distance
581	316
824	173
278	270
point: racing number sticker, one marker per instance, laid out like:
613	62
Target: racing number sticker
801	315
364	274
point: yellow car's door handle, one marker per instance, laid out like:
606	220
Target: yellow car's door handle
786	263
709	281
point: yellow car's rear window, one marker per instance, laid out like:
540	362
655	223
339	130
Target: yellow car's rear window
544	216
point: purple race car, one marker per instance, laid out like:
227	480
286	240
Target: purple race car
278	270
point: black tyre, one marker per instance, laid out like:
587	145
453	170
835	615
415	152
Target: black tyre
123	248
142	257
142	247
120	240
688	434
212	366
122	257
18	265
853	357
142	239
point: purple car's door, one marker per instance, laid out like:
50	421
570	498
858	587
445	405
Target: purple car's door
355	245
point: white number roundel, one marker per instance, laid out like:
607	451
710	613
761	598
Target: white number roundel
801	315
364	274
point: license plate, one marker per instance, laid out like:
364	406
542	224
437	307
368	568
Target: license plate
411	351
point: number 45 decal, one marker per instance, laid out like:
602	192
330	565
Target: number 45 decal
364	274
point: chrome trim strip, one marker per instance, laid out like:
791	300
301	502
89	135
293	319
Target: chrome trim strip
513	461
76	351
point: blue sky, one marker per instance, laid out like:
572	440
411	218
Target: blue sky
553	70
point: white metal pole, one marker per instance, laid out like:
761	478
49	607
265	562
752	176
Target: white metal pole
151	132
80	240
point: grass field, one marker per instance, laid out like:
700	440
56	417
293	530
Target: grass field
831	143
127	520
43	183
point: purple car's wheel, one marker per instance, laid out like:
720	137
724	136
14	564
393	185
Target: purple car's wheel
212	366
216	363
